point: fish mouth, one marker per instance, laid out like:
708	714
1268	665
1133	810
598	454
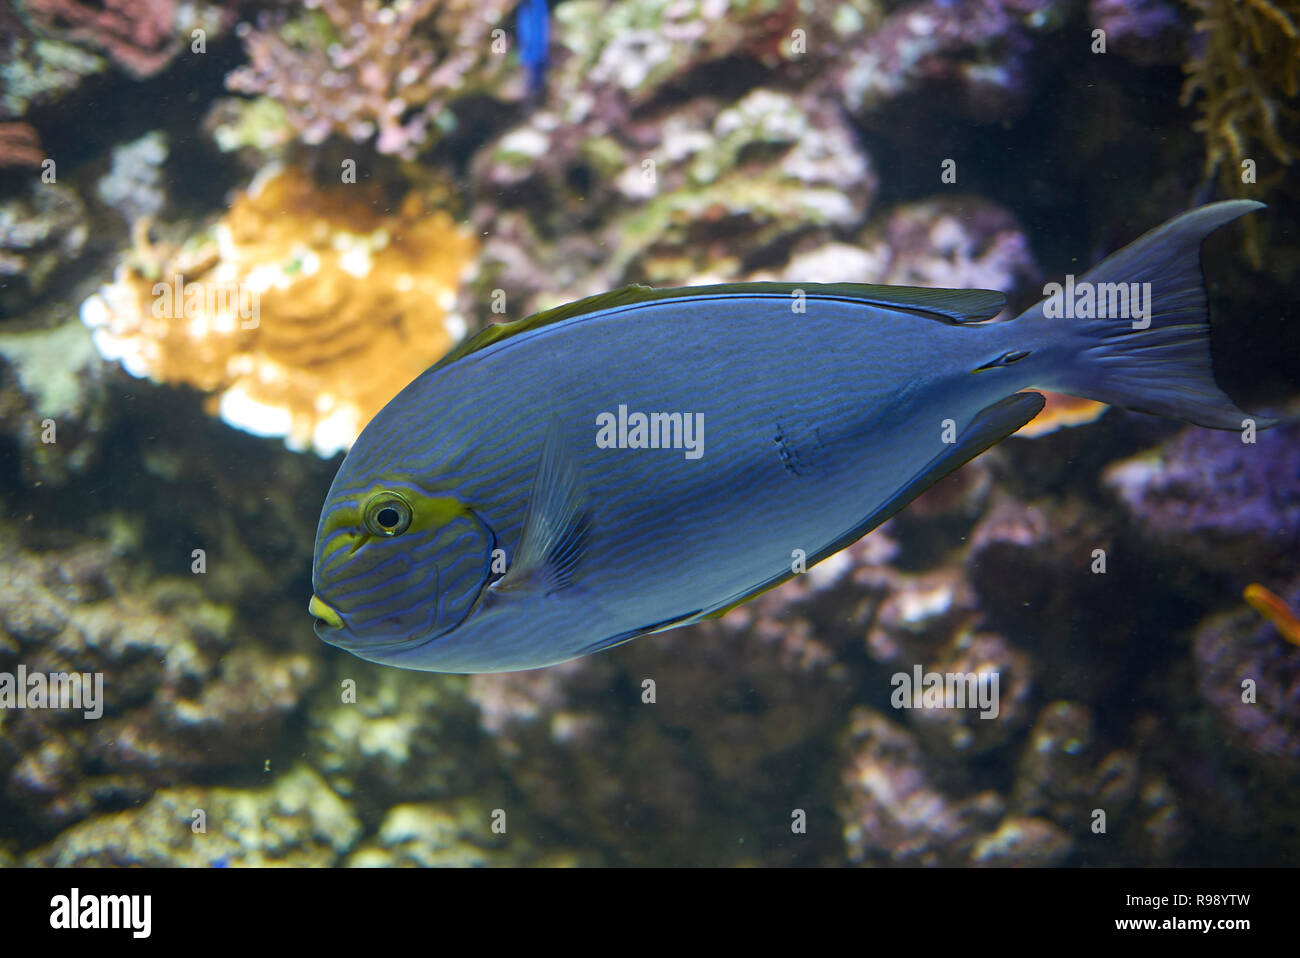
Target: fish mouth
326	616
330	628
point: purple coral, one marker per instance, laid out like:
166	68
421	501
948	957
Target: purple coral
1239	648
1233	505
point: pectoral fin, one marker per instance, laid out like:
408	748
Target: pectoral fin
556	531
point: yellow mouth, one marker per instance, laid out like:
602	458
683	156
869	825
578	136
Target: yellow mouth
323	612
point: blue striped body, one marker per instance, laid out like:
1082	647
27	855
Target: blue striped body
810	422
483	522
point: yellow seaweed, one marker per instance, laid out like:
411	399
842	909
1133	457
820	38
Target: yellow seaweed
1248	70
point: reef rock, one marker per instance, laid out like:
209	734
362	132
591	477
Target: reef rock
296	821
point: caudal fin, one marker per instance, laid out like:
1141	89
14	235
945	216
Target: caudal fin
1134	331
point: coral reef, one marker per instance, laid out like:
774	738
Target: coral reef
726	188
956	242
1231	505
1250	676
140	36
617	56
1022	842
294	821
971	54
431	835
968	730
699	733
272	311
37	70
367	69
1145	711
382	737
1251	62
709	194
52	394
20	145
1067	797
41	229
892	814
134	183
180	695
1067	775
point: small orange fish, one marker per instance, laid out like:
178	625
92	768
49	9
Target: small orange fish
1272	607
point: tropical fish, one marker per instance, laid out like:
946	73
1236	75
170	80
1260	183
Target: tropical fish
644	459
533	26
1274	608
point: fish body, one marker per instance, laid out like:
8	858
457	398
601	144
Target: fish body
533	26
649	458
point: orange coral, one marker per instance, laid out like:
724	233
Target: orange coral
303	311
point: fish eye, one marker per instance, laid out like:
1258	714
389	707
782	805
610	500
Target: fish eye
387	514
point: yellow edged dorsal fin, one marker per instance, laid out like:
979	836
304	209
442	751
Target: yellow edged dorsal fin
946	305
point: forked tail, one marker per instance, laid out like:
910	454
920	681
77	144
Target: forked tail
1134	330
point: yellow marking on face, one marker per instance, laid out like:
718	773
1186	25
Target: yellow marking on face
321	610
427	512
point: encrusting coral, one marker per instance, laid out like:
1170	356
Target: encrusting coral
302	312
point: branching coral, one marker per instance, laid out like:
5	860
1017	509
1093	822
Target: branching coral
365	68
303	311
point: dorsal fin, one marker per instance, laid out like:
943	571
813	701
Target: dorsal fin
945	305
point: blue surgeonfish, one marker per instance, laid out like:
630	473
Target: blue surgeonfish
644	459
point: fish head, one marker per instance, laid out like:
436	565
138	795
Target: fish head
396	564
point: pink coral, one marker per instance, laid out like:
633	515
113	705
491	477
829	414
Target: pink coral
368	68
139	35
20	145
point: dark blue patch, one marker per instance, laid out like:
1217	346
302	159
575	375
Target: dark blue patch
532	23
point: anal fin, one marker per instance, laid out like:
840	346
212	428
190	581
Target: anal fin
989	427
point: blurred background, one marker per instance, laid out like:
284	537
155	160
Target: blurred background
231	231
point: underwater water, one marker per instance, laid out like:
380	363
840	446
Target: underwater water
232	232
